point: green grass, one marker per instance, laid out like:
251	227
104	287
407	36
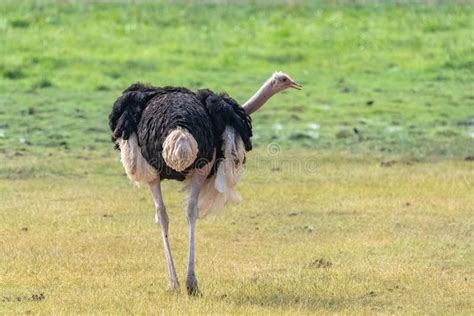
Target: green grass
332	221
334	234
413	62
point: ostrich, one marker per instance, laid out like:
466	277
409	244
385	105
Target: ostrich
200	138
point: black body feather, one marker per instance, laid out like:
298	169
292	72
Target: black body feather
225	111
152	113
128	108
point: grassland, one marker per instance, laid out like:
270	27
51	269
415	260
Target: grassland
361	204
400	74
332	235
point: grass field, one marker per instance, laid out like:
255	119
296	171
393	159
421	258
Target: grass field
356	200
401	75
338	235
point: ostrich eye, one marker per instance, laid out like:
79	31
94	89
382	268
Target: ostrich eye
285	79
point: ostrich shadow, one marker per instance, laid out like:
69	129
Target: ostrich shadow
274	296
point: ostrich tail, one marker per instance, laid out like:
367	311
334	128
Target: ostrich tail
180	149
136	167
221	188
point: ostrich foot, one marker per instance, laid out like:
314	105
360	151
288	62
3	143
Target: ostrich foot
173	287
192	287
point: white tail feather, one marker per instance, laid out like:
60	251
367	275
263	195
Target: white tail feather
220	189
180	149
136	167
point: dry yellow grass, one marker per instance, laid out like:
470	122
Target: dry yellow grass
314	234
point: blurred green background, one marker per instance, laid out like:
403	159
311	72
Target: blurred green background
379	76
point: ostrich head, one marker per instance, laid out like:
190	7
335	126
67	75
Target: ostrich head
279	81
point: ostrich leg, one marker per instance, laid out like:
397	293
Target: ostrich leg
197	181
161	218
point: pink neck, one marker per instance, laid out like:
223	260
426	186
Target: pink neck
259	98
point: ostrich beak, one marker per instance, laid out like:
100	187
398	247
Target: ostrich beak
295	85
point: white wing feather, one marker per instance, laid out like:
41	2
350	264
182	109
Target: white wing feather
221	188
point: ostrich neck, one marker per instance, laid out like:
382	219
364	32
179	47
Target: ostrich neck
259	98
